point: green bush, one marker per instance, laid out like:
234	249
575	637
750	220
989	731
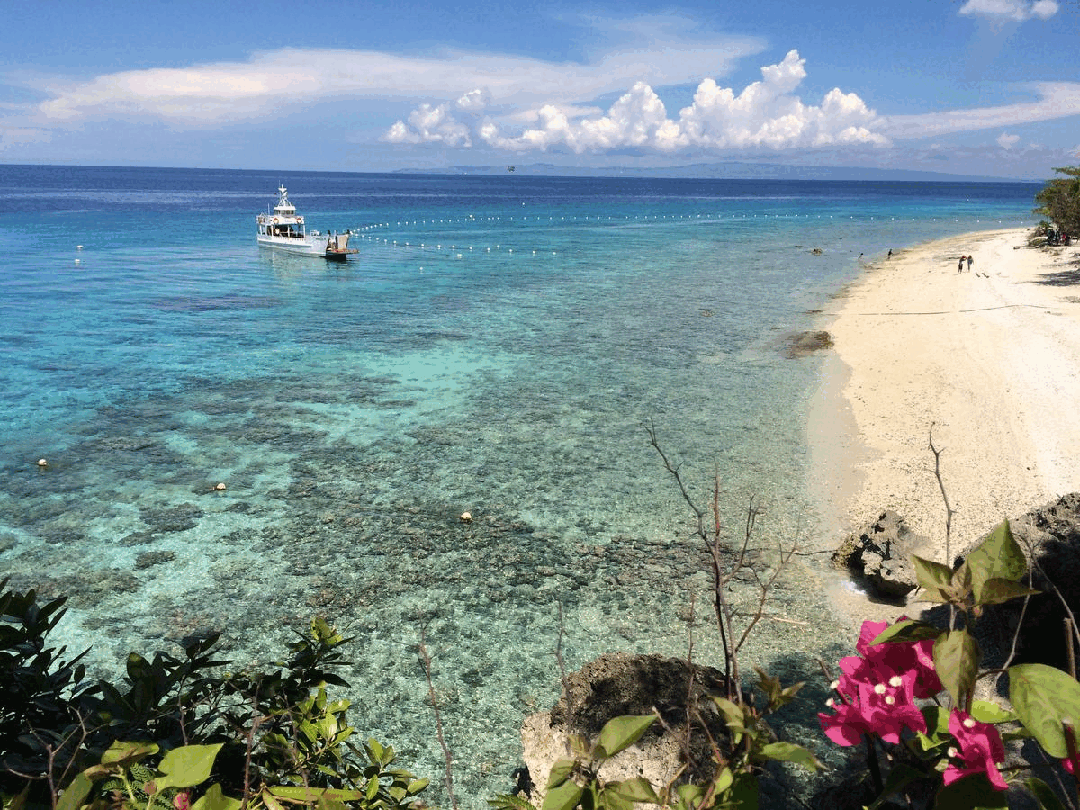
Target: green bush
1059	200
180	732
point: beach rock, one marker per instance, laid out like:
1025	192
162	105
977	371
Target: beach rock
880	554
805	343
1050	538
618	684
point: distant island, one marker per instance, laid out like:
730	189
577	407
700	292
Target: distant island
722	171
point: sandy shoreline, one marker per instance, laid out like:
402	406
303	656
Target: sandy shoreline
990	358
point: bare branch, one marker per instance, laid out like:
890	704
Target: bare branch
438	721
944	496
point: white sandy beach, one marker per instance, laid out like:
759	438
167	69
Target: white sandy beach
990	358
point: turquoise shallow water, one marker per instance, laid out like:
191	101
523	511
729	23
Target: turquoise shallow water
499	346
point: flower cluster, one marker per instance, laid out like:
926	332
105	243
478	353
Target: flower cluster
877	689
876	696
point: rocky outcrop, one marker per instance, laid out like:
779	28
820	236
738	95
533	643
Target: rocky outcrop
1050	538
617	684
880	555
806	343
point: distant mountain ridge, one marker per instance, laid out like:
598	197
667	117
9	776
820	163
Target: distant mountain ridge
723	171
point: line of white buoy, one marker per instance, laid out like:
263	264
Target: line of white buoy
473	220
421	242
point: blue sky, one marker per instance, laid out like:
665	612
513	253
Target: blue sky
983	87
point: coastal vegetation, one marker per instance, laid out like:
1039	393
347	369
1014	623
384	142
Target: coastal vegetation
1059	200
184	733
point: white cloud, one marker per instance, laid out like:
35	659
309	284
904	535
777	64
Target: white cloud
1057	100
1006	141
1015	10
663	52
766	114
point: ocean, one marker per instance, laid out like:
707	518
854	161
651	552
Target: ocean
501	345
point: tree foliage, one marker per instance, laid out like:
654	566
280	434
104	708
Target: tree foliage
1059	199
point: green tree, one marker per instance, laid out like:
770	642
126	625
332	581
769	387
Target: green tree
1059	200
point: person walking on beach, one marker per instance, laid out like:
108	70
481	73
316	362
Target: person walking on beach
960	265
970	261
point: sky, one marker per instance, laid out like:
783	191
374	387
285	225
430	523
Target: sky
977	87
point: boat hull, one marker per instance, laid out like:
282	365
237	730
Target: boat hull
309	246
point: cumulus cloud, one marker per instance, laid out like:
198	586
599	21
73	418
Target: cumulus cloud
1014	10
766	114
1006	141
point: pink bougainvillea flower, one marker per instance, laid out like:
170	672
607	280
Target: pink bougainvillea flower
878	687
872	706
980	750
900	656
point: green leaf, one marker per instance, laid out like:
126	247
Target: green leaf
126	752
996	591
724	780
1046	797
564	797
745	792
636	790
986	712
1045	698
973	792
506	801
310	795
937	719
326	803
621	732
790	752
899	777
417	785
609	800
187	766
999	556
560	772
934	578
956	659
371	789
690	795
214	800
907	630
75	793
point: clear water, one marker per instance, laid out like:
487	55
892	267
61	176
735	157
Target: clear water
499	346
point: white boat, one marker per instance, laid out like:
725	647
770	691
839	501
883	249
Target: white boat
284	230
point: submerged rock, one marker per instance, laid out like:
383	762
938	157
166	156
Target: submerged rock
805	343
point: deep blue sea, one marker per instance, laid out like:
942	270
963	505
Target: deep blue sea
499	345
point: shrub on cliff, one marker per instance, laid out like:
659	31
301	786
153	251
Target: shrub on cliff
1059	199
179	732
